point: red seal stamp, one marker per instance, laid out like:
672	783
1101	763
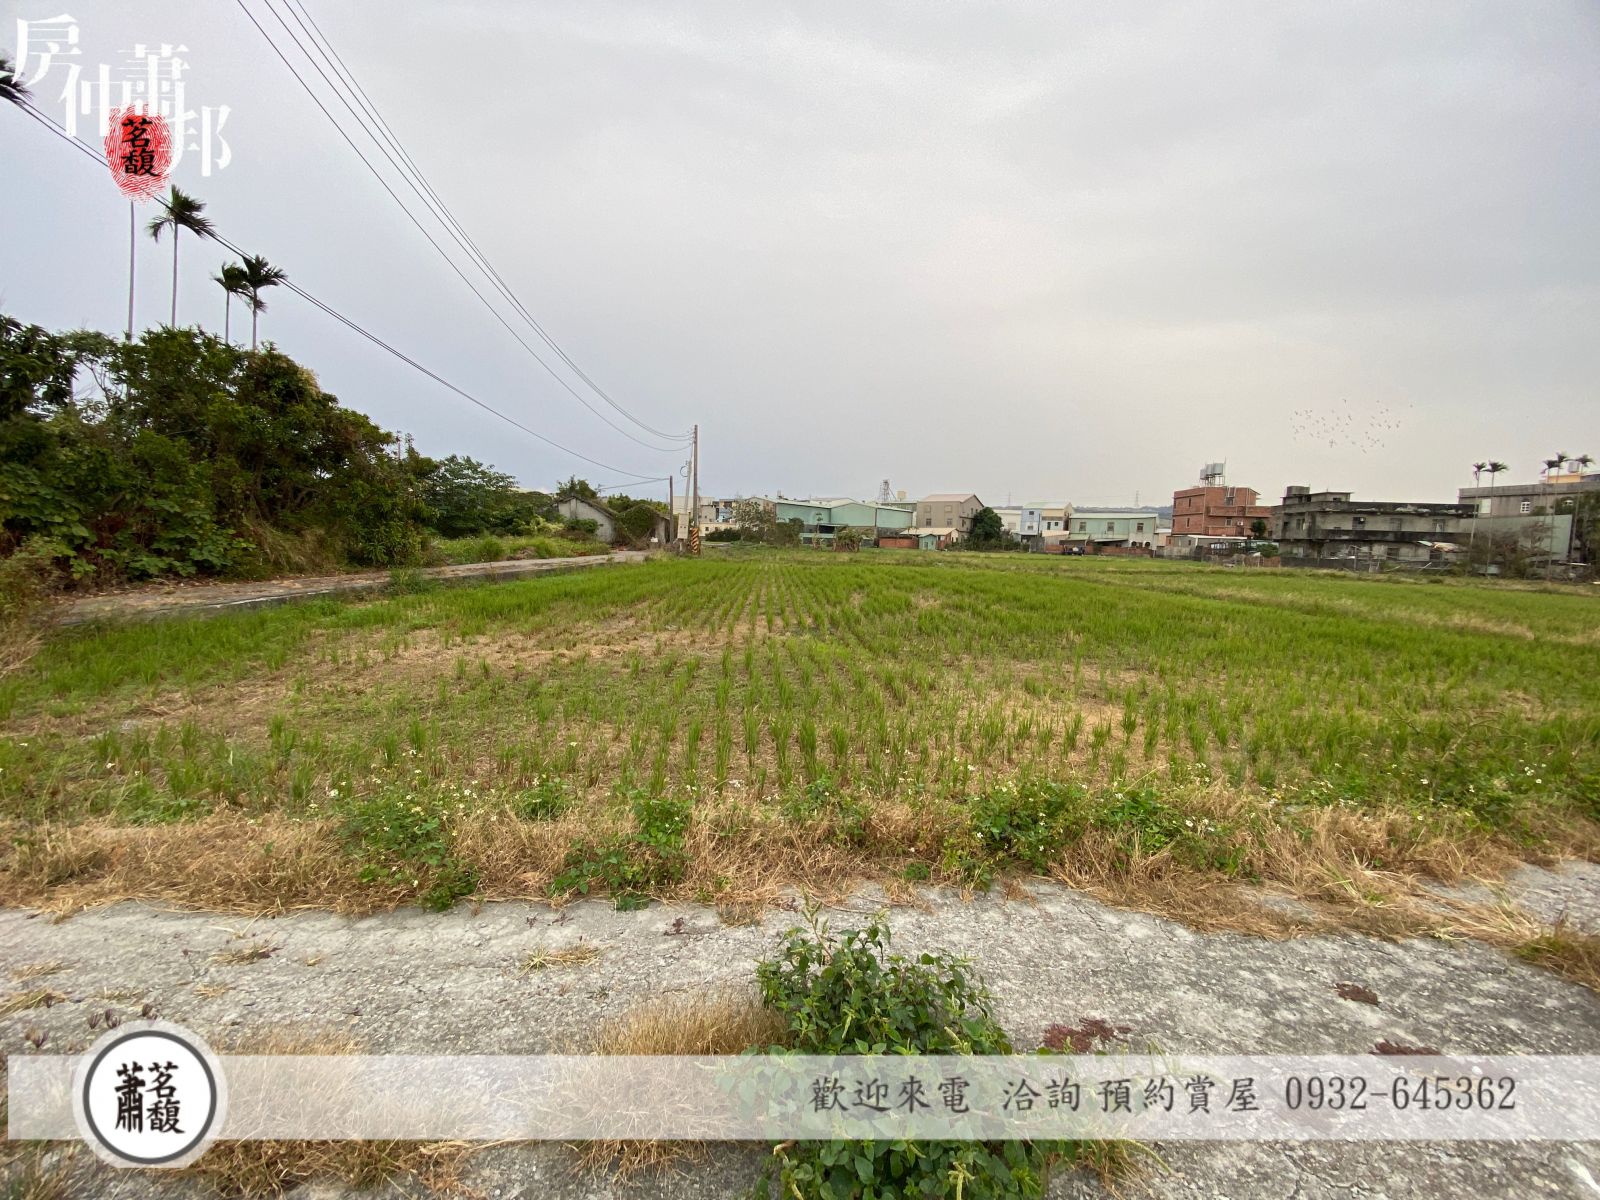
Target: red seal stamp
139	152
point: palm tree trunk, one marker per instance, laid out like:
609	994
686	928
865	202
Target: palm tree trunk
254	313
227	312
132	239
174	277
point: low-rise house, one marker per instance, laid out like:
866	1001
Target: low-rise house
1053	517
607	527
1133	529
1541	515
1021	521
948	510
576	508
1331	528
934	537
821	519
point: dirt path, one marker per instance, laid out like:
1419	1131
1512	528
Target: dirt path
413	982
189	599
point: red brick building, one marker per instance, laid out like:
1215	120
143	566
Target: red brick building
1216	512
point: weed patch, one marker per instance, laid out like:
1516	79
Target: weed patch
629	867
404	837
850	995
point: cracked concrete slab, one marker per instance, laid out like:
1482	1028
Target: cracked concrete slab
452	983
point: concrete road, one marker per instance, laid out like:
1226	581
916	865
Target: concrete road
202	597
414	982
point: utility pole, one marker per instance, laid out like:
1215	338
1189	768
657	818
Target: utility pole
694	484
132	239
672	511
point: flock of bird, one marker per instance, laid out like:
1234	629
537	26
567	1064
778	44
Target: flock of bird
1345	425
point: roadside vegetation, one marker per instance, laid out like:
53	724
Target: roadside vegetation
1155	734
829	993
180	455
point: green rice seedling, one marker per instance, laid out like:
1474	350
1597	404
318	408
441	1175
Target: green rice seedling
808	747
1073	732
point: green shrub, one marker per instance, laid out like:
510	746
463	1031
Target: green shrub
820	802
629	867
638	522
405	838
550	797
1194	841
1026	822
488	549
849	995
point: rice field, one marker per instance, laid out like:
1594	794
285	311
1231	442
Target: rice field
722	728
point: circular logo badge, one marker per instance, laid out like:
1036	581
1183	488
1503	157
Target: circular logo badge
149	1094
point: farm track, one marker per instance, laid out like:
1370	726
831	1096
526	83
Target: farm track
201	599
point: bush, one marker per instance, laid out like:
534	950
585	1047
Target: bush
463	497
819	802
629	867
1026	822
638	523
849	995
550	797
488	549
406	840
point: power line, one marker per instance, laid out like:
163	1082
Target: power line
56	129
443	253
347	76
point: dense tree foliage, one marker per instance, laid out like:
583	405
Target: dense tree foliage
180	454
465	497
988	532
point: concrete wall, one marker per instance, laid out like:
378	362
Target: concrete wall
583	510
957	514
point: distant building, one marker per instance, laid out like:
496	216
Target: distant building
1053	517
934	537
948	510
1331	528
1541	515
821	519
1132	528
1201	513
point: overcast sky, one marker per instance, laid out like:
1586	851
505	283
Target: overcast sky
1047	250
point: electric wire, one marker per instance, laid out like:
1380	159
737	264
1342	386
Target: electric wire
637	477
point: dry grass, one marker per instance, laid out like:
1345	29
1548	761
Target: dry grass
724	1020
567	956
1367	870
224	863
27	1178
17	1002
237	956
1566	951
261	1168
37	970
